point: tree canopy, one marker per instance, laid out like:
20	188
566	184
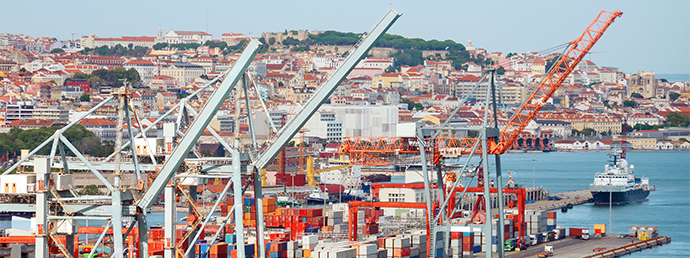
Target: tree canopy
110	77
636	95
674	119
83	139
57	50
118	50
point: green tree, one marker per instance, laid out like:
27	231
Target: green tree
90	190
289	41
629	103
628	128
389	69
500	70
645	126
674	96
409	102
636	95
271	41
57	50
418	106
159	46
674	119
85	97
587	131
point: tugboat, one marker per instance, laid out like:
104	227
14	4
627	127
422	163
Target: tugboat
618	183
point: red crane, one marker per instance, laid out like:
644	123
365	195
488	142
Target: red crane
375	151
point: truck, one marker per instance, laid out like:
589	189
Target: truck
548	251
510	244
581	233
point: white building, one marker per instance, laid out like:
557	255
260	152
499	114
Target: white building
145	68
177	37
365	121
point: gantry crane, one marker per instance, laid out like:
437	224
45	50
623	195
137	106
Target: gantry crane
372	151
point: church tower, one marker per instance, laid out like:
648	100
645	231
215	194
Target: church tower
159	35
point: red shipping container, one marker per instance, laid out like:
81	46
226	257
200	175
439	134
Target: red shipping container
468	240
219	249
455	235
401	252
382	242
467	247
551	215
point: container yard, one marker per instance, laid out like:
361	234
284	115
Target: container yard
246	204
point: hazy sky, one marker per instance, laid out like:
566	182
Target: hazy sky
651	35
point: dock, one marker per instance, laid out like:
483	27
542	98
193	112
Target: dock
595	247
573	197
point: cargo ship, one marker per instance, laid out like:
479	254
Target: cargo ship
618	183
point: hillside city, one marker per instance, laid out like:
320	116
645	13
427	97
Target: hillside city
46	82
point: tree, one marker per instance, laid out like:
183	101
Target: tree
90	190
674	119
290	41
389	69
500	70
418	106
587	131
645	126
629	103
271	40
674	96
85	97
409	102
159	46
636	95
628	128
57	50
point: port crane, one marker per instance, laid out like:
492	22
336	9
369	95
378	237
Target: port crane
374	150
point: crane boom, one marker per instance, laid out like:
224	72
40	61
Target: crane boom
554	78
301	118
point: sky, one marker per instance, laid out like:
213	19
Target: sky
650	36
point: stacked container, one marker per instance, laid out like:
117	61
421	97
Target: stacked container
551	220
599	229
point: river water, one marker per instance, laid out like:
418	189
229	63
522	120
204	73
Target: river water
668	207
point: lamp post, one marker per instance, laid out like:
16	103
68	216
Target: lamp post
610	204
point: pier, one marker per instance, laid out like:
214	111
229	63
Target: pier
595	247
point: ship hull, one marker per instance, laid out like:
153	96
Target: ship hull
619	198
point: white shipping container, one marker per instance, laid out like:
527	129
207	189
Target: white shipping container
368	249
401	242
315	254
310	239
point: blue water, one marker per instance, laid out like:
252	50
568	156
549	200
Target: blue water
674	77
668	207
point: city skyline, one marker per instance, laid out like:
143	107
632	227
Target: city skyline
644	38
